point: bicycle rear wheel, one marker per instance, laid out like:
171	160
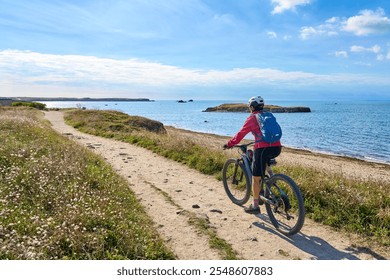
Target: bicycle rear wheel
287	211
236	181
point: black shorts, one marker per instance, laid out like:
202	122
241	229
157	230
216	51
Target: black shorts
261	156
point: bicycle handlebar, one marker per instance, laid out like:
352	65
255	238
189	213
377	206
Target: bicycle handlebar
243	145
244	149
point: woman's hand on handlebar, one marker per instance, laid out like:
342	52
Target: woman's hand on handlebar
225	147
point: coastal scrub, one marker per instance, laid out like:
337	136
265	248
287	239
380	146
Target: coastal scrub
61	201
148	134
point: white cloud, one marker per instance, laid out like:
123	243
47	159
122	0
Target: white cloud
272	34
37	68
285	5
380	57
374	49
358	49
388	55
329	29
367	22
25	69
332	20
341	54
307	31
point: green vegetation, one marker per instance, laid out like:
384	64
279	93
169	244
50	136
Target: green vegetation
361	207
61	201
36	105
356	206
141	131
111	124
203	225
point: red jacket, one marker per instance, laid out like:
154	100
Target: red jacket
251	125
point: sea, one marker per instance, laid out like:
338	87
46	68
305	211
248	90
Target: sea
357	129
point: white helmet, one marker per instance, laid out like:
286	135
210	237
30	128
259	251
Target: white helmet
256	100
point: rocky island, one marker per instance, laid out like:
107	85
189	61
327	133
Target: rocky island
242	108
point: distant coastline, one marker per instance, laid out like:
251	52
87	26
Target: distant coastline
75	99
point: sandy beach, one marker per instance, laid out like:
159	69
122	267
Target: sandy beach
253	237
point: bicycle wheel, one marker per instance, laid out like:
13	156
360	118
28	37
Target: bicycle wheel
287	211
236	181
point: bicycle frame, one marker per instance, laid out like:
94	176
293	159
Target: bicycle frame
282	197
248	168
248	164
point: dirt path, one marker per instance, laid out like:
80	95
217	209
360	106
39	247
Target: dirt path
171	192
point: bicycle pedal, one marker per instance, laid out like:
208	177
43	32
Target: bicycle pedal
261	202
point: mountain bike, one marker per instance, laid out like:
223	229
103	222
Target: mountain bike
282	197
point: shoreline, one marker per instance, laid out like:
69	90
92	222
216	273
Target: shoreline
352	150
344	156
296	149
336	165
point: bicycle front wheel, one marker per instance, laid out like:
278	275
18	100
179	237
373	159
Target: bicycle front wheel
236	181
285	208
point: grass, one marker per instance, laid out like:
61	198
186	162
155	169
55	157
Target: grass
185	151
61	201
225	250
361	207
353	205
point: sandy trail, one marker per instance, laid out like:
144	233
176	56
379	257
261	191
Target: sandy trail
154	178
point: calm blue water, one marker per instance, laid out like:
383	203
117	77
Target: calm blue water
354	129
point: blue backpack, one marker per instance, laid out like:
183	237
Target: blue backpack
269	127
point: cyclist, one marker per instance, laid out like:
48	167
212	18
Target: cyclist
262	151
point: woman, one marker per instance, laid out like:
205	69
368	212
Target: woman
263	151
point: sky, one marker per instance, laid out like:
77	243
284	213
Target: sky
196	49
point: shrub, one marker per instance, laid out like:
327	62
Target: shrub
36	105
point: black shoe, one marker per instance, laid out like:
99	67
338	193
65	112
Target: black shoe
252	210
